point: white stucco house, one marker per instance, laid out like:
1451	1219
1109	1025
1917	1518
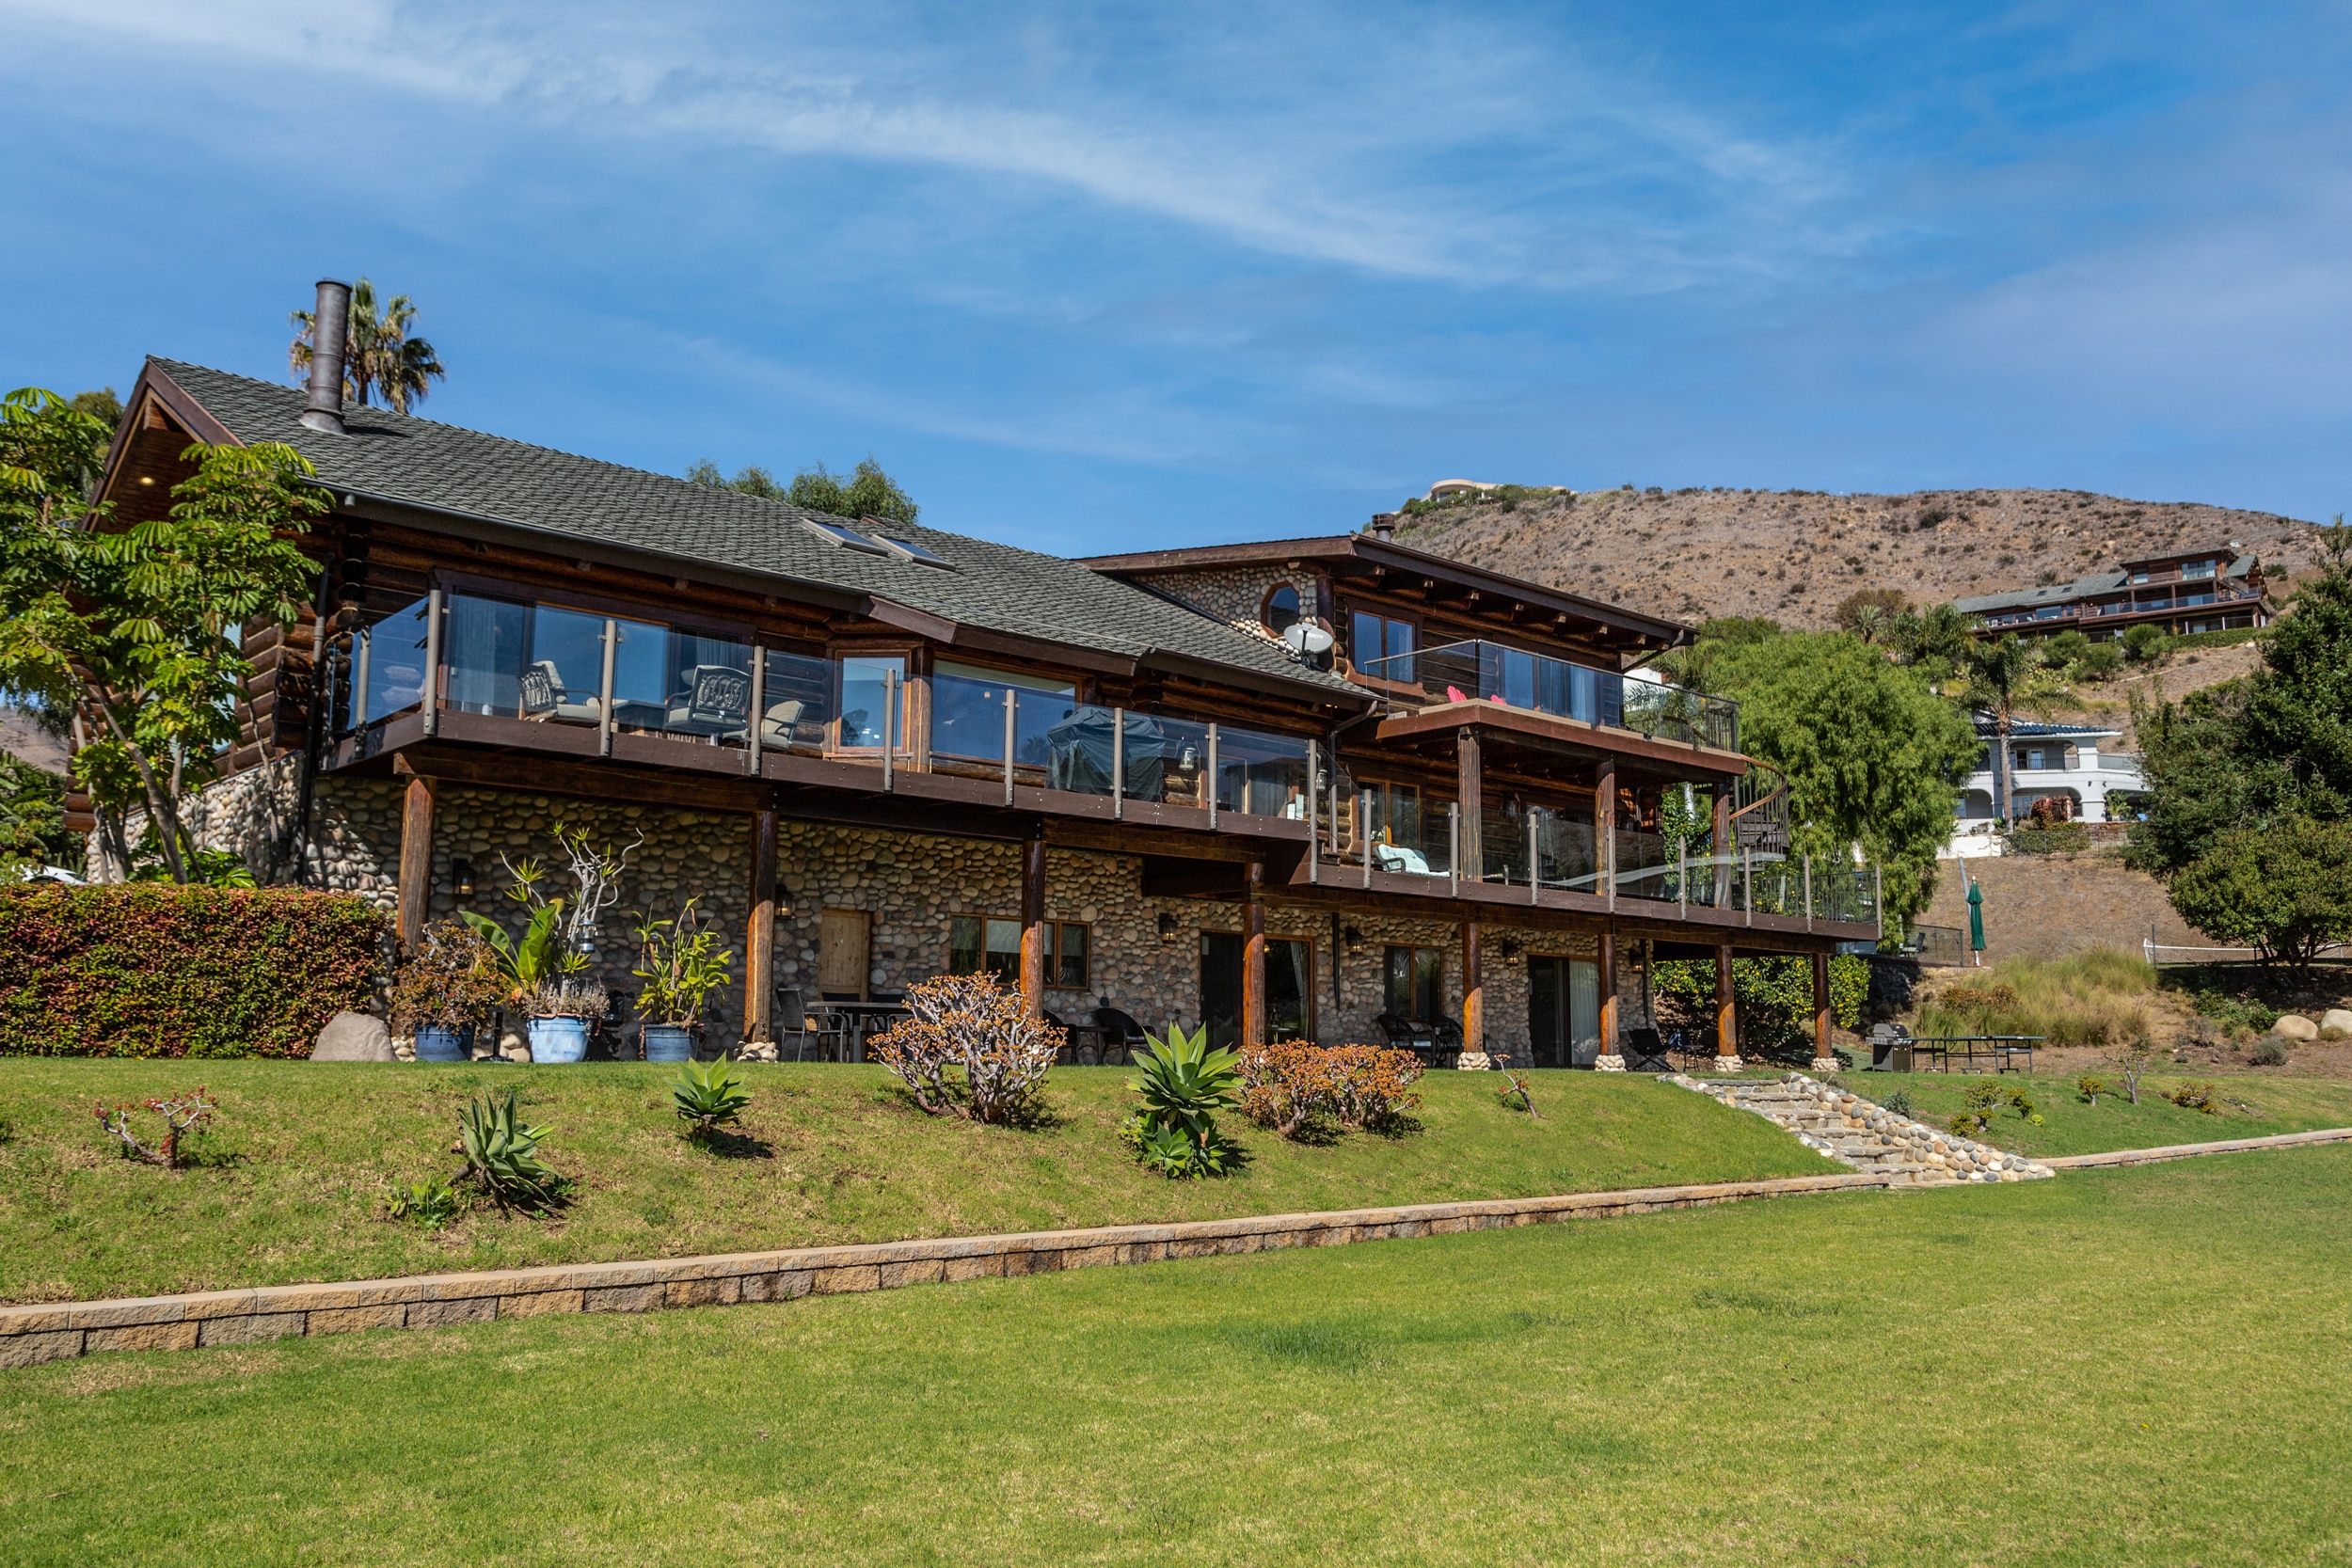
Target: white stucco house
2063	762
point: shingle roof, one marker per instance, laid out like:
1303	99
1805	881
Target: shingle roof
2021	729
994	587
2062	593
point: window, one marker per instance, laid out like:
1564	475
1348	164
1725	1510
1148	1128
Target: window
1281	610
1413	975
864	702
980	945
1376	637
916	553
845	536
1393	814
2199	569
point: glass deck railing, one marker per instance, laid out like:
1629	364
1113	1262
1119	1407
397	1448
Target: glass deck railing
1488	671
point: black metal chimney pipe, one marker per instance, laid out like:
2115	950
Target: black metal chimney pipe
328	325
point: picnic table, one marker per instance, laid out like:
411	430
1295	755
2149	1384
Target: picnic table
1899	1051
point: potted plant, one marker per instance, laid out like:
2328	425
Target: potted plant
681	964
562	1009
444	989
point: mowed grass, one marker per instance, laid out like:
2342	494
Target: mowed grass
2266	1105
2144	1366
295	1182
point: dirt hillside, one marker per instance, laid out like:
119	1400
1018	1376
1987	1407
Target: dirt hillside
1792	555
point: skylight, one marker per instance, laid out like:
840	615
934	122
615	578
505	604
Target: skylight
848	538
915	552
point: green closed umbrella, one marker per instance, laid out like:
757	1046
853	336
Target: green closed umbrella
1976	915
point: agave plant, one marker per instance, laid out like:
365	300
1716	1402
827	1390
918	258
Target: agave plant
1184	1085
502	1155
431	1203
707	1096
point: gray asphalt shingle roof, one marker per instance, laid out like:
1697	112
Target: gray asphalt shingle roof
994	587
2063	592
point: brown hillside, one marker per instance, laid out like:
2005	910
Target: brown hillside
1794	554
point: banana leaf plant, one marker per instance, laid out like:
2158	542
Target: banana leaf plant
529	963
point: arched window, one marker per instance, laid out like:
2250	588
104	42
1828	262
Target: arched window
1281	610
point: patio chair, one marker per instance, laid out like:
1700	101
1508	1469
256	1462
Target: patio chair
1116	1035
781	725
545	696
1395	857
1646	1053
717	697
823	1028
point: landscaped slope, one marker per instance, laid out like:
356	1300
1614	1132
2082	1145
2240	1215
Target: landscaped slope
2141	1367
296	1180
1697	554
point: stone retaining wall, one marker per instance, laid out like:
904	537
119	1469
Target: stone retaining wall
33	1333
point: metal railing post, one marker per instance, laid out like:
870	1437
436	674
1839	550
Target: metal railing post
365	636
1747	881
1808	893
1608	857
1009	701
1211	791
1535	858
890	712
1454	848
1314	845
433	663
760	709
1119	763
1363	830
1877	896
1682	878
604	697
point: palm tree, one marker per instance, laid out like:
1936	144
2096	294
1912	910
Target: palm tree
379	356
1997	669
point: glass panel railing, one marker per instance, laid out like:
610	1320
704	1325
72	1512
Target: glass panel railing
1167	760
1563	852
384	668
1513	677
1261	775
1647	865
796	699
1082	750
545	663
968	724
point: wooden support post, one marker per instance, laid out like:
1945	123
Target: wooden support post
1253	958
759	933
1473	999
1605	828
1033	937
415	859
1610	1060
1470	781
1726	1013
1822	1060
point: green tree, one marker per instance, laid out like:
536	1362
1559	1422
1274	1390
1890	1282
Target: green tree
2285	888
2144	643
864	492
137	632
1774	995
1871	613
1932	640
102	405
1873	756
2262	751
32	818
380	354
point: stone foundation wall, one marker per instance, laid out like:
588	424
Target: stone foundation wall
909	885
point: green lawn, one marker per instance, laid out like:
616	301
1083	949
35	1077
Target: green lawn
2071	1125
2140	1366
300	1167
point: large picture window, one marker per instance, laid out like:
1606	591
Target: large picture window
1378	637
1414	977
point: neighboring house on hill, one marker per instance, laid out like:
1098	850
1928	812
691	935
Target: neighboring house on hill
881	752
2209	590
2056	762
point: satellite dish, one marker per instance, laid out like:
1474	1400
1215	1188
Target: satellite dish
1306	640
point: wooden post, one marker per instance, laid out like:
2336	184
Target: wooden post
1605	830
1610	1059
760	934
1720	845
1822	1060
415	859
1033	941
1253	958
1726	1013
1469	776
1473	994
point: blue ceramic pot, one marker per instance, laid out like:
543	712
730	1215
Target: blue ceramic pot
436	1043
669	1042
559	1039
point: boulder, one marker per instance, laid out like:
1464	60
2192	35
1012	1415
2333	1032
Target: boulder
2338	1019
2294	1026
353	1037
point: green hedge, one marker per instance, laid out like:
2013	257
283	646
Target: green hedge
154	970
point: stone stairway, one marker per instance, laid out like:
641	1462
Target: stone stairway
1853	1132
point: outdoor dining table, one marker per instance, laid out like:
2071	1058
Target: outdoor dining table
862	1018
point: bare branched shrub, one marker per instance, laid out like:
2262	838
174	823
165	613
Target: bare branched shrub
966	1021
1292	1088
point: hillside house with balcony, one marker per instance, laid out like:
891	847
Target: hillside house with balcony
2193	591
879	752
2069	764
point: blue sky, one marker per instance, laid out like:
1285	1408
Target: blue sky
1098	279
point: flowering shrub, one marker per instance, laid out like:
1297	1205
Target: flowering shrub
150	970
450	978
1292	1088
966	1022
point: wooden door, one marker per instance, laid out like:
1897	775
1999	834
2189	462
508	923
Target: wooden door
844	953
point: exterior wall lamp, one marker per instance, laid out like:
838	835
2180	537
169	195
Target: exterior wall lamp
461	878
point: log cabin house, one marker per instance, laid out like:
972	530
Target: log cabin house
1329	788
